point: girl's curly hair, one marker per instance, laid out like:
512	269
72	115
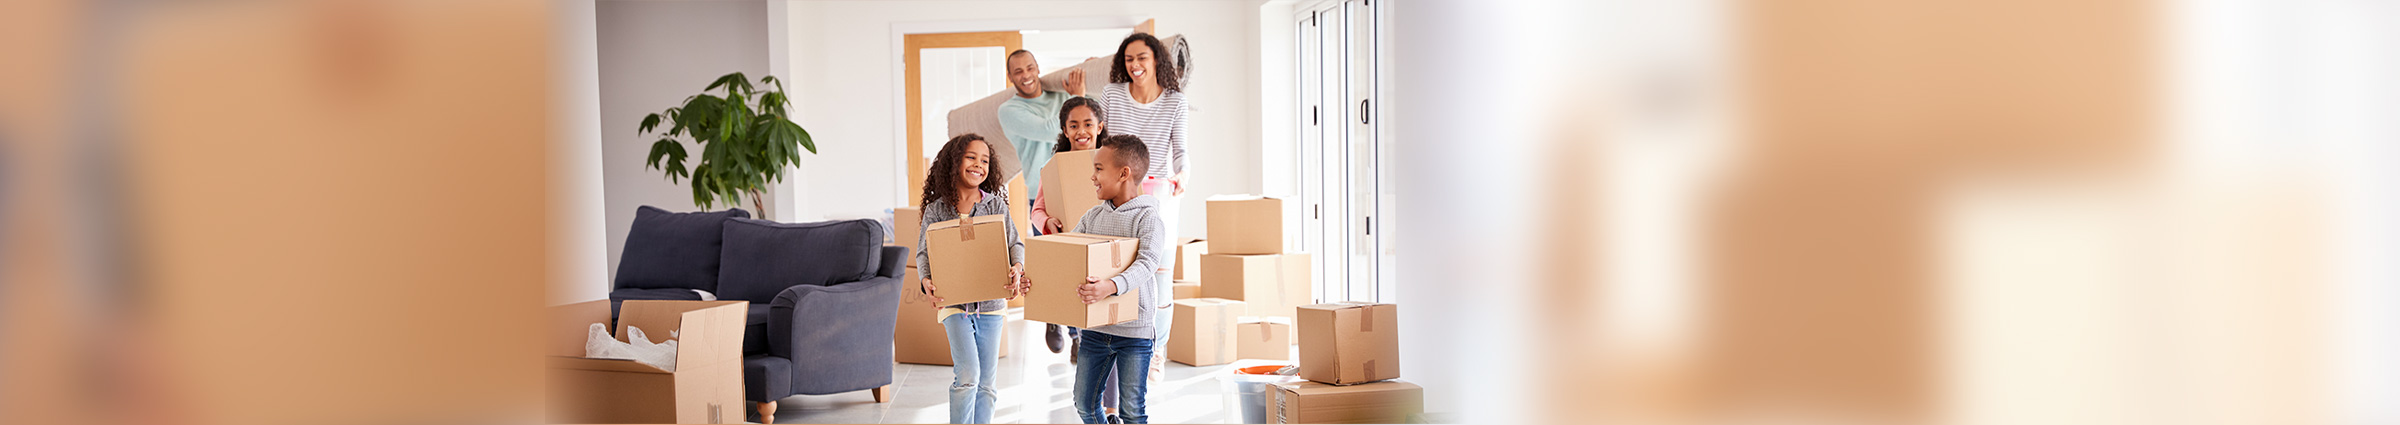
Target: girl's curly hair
941	182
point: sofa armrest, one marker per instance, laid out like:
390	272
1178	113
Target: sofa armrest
854	317
895	261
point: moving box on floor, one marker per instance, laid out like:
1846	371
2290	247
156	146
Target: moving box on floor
1309	402
1187	258
1059	265
917	338
1245	224
1263	338
1349	342
906	222
1272	284
1203	331
705	385
970	262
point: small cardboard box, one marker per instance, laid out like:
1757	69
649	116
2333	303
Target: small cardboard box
1203	331
1187	258
906	222
1306	402
1273	284
1058	264
1245	224
1268	339
917	338
1184	290
970	262
1349	342
1067	190
704	387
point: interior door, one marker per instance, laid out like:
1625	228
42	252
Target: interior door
946	48
1308	82
1361	151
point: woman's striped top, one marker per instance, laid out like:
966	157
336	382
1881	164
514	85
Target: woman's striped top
1161	124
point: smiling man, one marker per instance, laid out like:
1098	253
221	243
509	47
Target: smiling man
1031	117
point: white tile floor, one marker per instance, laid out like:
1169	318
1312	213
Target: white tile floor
1033	385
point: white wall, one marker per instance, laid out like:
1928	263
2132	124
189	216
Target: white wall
652	54
579	254
845	66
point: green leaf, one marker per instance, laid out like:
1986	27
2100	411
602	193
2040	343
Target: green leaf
649	122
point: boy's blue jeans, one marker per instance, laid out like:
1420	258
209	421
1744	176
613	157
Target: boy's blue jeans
1130	359
975	363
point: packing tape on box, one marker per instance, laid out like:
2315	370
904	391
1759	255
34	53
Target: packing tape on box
1370	366
1366	319
1116	256
966	228
1266	333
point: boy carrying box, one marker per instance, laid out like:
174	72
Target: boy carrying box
1124	348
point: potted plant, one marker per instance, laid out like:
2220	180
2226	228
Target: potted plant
743	147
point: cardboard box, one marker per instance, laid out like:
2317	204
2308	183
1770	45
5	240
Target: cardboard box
1203	331
1187	258
1020	204
1305	402
1186	290
704	387
1059	264
906	222
1067	190
1349	343
1245	224
971	261
1269	339
917	338
1273	284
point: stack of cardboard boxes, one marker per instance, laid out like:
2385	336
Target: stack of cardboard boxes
1187	267
1350	354
1245	260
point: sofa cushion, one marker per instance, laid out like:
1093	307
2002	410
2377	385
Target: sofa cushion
754	331
673	250
761	258
617	298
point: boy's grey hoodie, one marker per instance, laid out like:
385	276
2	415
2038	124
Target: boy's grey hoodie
1139	218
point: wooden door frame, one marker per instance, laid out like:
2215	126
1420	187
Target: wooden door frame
911	158
911	44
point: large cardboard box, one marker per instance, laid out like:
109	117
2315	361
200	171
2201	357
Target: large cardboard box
705	385
1349	342
1272	284
1264	339
1245	224
917	338
1059	264
1067	190
1203	331
1187	258
906	222
1306	402
1184	290
970	261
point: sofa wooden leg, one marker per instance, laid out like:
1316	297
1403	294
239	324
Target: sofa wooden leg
766	412
883	394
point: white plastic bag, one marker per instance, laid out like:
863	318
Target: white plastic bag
597	344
